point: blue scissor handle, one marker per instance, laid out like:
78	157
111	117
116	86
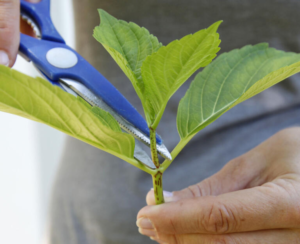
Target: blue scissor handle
40	13
36	51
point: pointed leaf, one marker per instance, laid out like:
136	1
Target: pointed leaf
38	100
232	78
166	70
128	44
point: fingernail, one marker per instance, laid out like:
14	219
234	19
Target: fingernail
144	223
147	232
168	194
4	59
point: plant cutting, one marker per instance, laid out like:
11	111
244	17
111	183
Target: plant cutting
156	72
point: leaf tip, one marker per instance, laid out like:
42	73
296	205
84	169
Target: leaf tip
105	16
214	27
102	12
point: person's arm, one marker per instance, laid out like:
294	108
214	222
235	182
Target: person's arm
254	199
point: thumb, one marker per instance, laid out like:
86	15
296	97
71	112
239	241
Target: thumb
9	31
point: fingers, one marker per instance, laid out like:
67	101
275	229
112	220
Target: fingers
258	237
9	31
271	206
264	163
232	177
212	206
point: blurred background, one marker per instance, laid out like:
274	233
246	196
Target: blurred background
29	156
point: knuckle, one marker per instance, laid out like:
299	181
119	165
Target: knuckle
238	162
195	190
219	219
236	167
205	187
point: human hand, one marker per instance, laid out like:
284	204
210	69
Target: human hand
254	199
10	30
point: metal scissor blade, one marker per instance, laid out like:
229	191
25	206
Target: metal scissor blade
142	156
72	86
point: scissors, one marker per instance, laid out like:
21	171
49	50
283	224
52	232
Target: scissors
64	67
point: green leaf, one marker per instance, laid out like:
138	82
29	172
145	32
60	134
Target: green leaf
229	80
166	70
128	44
38	100
106	118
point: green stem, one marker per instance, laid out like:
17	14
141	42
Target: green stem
157	177
158	189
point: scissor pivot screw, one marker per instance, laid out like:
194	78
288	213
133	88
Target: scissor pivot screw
61	58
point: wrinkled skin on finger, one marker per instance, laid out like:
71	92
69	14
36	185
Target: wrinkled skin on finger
254	199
